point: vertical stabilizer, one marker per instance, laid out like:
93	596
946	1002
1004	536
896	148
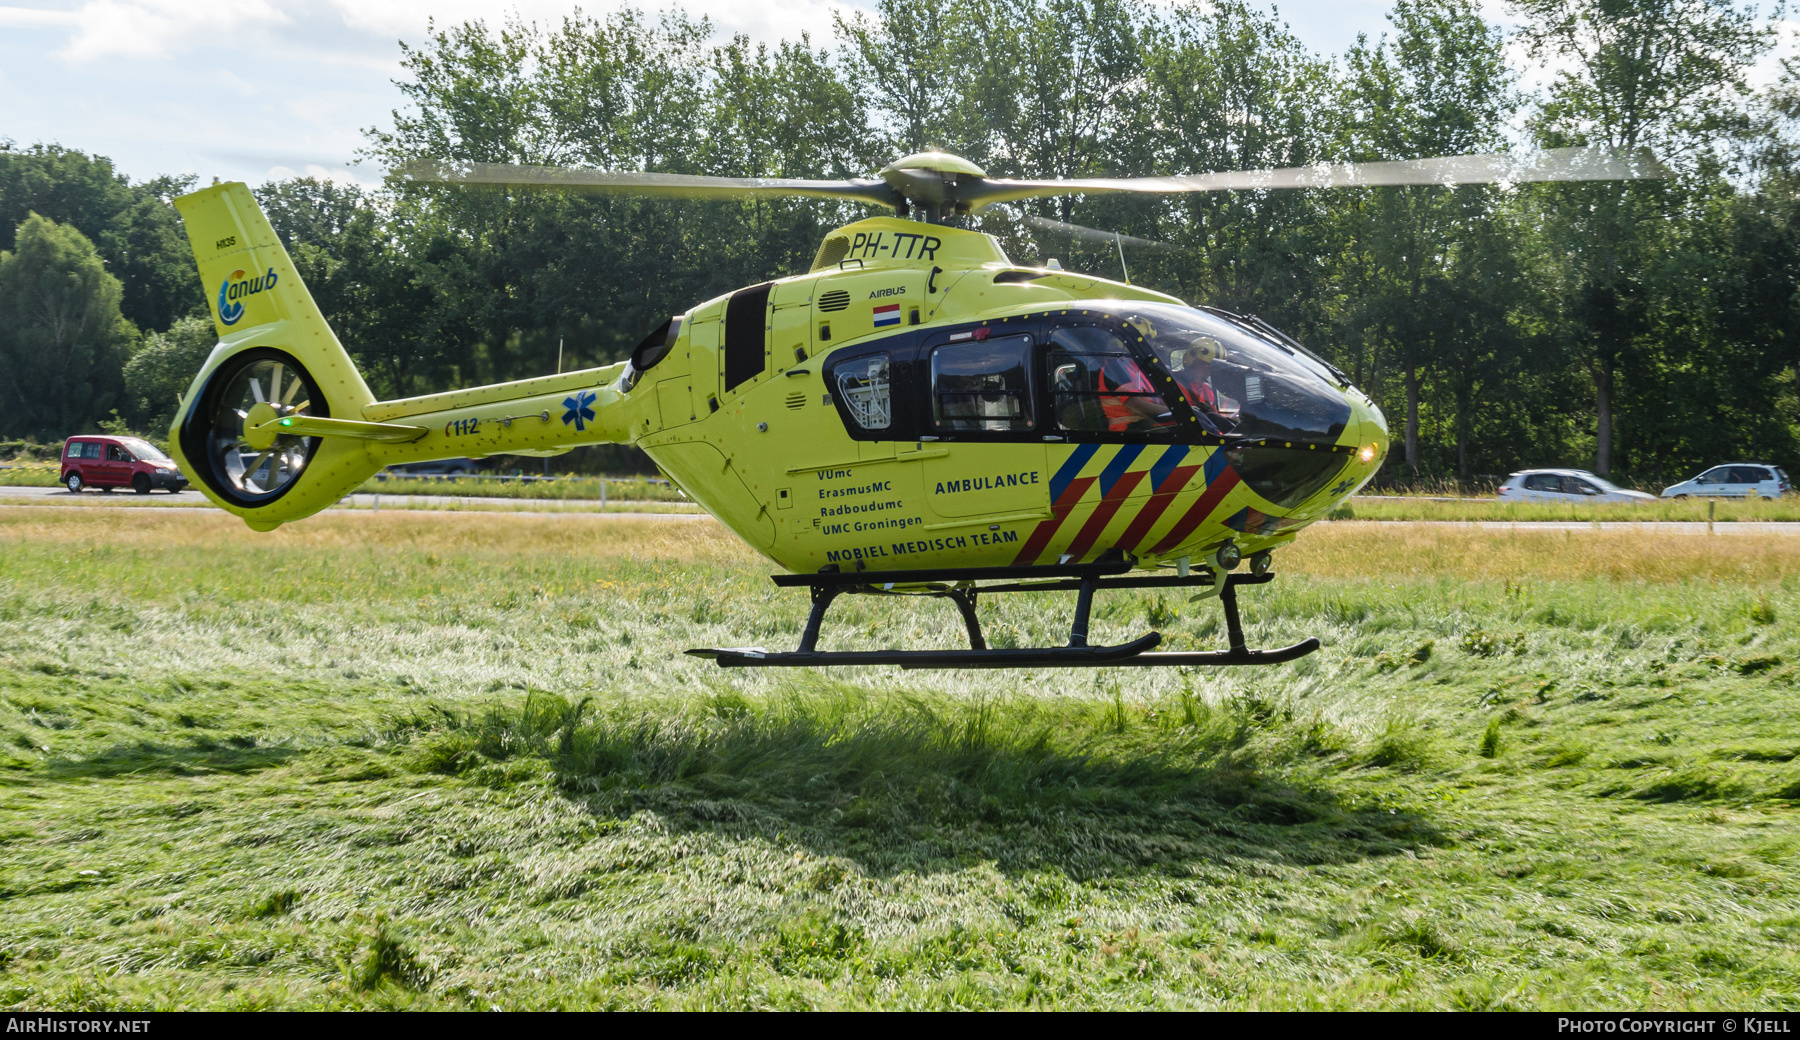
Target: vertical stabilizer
255	293
247	431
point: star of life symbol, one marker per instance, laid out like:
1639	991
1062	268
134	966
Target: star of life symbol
1342	487
577	410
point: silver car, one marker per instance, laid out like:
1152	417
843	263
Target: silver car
1565	485
1736	480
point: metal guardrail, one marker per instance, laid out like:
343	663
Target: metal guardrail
453	478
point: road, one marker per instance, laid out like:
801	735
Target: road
191	501
1646	526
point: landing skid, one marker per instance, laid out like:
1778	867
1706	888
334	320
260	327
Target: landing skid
958	586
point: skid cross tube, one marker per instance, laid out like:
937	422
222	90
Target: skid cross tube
958	586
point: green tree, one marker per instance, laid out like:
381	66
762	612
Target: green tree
1053	87
1230	88
160	371
1662	74
133	227
1440	86
907	58
347	248
509	275
1678	303
63	341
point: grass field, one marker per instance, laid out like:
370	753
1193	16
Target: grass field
377	760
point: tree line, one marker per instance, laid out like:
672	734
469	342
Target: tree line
1642	329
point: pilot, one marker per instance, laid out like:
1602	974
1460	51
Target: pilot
1191	365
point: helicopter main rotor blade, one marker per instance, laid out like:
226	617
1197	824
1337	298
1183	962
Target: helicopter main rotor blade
1555	164
679	185
1094	235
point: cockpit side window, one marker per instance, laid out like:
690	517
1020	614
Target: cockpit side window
1192	364
982	385
866	386
1096	386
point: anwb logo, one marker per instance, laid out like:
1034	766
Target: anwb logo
235	287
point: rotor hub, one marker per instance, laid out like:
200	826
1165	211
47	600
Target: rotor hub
929	183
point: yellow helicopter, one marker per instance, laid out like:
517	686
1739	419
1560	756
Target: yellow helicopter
916	414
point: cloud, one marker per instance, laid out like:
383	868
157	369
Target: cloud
363	33
335	174
356	31
1769	70
762	20
160	28
34	18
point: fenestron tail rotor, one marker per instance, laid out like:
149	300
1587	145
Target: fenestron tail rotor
235	426
936	186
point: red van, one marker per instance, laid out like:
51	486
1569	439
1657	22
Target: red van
110	462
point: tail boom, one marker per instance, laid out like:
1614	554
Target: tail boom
278	424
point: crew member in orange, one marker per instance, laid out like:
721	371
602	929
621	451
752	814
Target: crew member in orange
1133	403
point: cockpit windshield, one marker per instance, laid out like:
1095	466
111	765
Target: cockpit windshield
1237	381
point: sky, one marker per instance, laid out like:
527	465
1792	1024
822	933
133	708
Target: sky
258	89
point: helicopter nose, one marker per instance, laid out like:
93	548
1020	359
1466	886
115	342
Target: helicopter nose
1372	435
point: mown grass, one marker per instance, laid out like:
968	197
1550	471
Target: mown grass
376	760
1693	510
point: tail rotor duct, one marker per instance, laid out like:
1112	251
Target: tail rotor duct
240	462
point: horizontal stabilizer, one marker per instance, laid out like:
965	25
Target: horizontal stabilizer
313	426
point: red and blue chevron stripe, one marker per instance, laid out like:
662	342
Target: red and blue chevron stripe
1122	474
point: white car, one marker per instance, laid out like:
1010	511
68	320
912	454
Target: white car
1737	480
1565	485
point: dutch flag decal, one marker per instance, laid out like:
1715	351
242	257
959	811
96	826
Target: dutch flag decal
887	314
